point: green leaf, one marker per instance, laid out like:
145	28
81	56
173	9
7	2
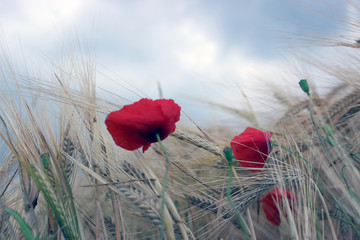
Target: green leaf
45	160
330	135
25	228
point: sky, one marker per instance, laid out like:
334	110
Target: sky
195	50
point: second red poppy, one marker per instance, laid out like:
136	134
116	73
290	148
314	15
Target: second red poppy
251	148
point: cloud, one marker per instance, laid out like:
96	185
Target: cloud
193	48
33	18
196	49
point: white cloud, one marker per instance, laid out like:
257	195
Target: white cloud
35	17
50	13
180	44
197	50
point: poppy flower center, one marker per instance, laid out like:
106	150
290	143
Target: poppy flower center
152	136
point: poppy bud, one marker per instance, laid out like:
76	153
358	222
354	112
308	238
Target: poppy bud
228	152
305	86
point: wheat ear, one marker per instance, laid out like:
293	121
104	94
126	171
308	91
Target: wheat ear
197	141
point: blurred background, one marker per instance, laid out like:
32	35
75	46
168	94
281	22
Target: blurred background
204	54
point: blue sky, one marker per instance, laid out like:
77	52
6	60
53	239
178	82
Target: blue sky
193	48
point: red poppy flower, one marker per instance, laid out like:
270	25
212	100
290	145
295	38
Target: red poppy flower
251	148
272	204
137	124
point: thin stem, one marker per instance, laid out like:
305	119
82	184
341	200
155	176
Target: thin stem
334	216
72	203
163	186
240	218
334	142
8	184
6	218
322	181
352	193
351	153
318	133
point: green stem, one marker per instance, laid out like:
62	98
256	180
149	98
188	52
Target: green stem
163	186
335	143
352	154
318	133
336	217
72	203
240	218
322	181
352	193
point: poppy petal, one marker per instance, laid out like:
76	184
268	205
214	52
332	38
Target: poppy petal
251	148
273	201
171	112
137	124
